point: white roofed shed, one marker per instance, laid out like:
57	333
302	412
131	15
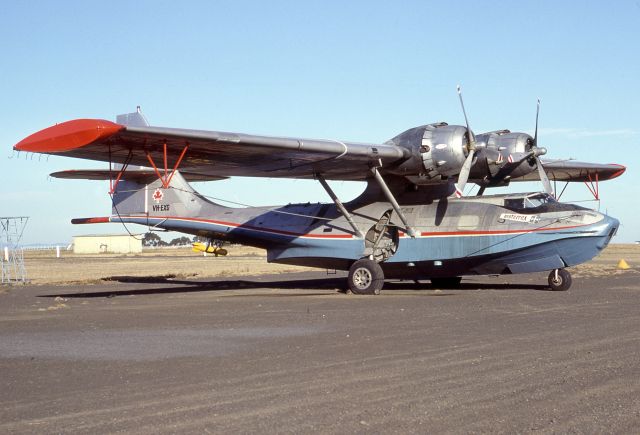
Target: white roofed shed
107	244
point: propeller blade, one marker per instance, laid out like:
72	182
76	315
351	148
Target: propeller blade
472	139
464	174
535	136
466	166
543	177
537	152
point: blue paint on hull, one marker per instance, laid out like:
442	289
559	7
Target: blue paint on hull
422	257
538	258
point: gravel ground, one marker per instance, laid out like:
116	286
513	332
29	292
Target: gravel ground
44	268
290	354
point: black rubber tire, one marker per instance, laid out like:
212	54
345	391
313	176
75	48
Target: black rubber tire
365	277
448	282
562	283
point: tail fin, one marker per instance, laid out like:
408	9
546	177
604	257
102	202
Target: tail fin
135	197
135	119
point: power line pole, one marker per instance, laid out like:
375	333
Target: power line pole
12	255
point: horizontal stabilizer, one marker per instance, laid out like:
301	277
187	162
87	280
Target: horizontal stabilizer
138	175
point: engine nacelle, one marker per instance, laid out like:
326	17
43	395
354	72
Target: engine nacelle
437	152
506	142
443	150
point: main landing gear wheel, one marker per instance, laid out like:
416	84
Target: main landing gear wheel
559	280
448	282
365	277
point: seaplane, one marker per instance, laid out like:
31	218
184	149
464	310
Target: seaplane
412	221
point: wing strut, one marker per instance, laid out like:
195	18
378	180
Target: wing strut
166	178
113	184
394	203
338	203
562	191
593	188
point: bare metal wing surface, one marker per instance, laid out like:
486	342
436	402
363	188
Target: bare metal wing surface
574	171
429	154
211	152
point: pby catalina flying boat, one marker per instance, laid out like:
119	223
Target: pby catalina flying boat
411	222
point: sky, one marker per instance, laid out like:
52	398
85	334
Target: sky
355	71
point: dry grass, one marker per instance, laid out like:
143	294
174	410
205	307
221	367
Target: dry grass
607	262
44	268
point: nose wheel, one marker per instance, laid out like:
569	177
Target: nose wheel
559	280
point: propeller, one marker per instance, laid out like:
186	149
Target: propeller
515	159
537	152
471	147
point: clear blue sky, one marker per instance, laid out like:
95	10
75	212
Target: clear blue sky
342	70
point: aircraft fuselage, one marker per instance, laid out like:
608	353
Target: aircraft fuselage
498	234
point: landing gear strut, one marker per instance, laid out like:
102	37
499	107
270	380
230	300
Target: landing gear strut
365	277
559	280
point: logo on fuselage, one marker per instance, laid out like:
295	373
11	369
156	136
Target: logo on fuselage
524	218
157	195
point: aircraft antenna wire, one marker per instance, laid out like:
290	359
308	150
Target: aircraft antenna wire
113	204
213	198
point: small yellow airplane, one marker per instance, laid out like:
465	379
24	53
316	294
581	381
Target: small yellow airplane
208	248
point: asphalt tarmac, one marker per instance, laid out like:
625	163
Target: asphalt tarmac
291	354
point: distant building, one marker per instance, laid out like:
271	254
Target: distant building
107	244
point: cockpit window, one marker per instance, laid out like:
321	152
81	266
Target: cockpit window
530	201
537	203
514	203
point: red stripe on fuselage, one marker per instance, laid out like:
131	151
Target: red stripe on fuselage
96	220
349	236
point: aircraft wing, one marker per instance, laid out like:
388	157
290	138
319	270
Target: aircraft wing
214	153
571	170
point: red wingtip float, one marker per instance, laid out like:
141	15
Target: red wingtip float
68	136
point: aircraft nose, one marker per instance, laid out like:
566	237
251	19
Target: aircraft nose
610	230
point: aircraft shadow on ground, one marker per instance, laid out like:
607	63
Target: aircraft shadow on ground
336	284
